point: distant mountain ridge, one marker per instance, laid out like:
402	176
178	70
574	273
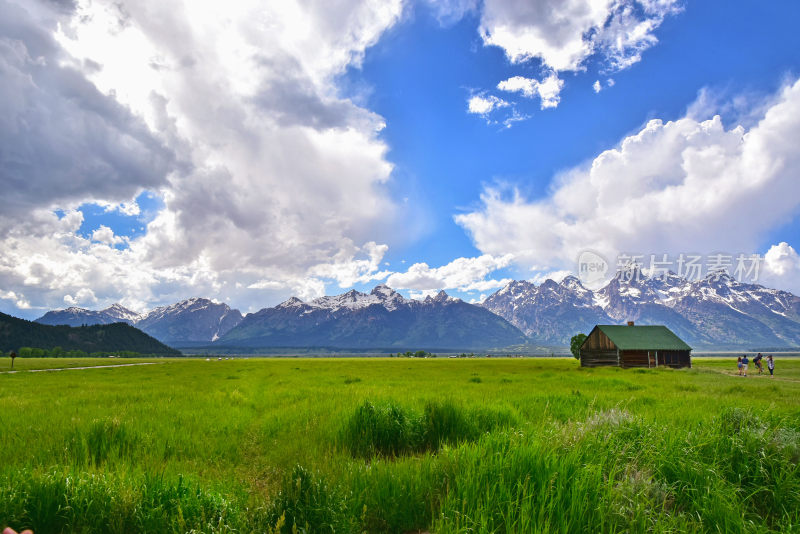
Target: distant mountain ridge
74	316
195	320
380	320
16	333
716	311
191	321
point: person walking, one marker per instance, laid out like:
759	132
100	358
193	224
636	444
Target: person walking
745	361
771	366
739	365
759	365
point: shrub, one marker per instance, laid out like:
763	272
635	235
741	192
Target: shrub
384	429
104	439
307	503
446	422
389	430
77	501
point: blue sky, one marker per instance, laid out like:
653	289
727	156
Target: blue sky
422	73
265	150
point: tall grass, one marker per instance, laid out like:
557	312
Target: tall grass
102	440
388	429
384	428
75	502
612	472
536	446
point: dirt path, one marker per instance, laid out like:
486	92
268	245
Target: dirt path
757	376
78	368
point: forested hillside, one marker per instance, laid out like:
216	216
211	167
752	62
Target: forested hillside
17	333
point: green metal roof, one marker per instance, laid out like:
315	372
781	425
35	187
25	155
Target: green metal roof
643	337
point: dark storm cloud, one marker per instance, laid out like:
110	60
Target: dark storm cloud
292	100
62	141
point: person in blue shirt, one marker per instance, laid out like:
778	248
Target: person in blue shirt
745	361
757	362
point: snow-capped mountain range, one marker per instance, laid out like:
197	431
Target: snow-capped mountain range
716	311
192	321
382	319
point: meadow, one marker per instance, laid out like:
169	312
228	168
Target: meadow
398	445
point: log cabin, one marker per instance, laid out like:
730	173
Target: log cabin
634	346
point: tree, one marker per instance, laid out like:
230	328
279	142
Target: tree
575	345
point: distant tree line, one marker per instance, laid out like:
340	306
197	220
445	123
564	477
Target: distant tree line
58	352
425	354
417	354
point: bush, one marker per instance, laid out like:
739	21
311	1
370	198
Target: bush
104	439
67	502
390	430
575	345
307	503
384	429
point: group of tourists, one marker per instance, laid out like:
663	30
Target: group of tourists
743	362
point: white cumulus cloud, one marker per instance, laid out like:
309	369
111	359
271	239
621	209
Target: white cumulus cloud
104	234
781	268
483	105
548	89
228	112
687	185
564	33
464	274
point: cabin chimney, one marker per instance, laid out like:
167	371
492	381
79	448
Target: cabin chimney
630	323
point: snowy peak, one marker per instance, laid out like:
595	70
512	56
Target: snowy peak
74	316
293	302
517	288
194	320
390	298
382	290
549	285
382	319
572	282
352	300
193	304
441	298
583	296
120	312
716	310
666	285
381	295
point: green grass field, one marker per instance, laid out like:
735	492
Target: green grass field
41	364
398	445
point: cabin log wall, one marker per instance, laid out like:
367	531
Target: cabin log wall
596	358
637	358
599	350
